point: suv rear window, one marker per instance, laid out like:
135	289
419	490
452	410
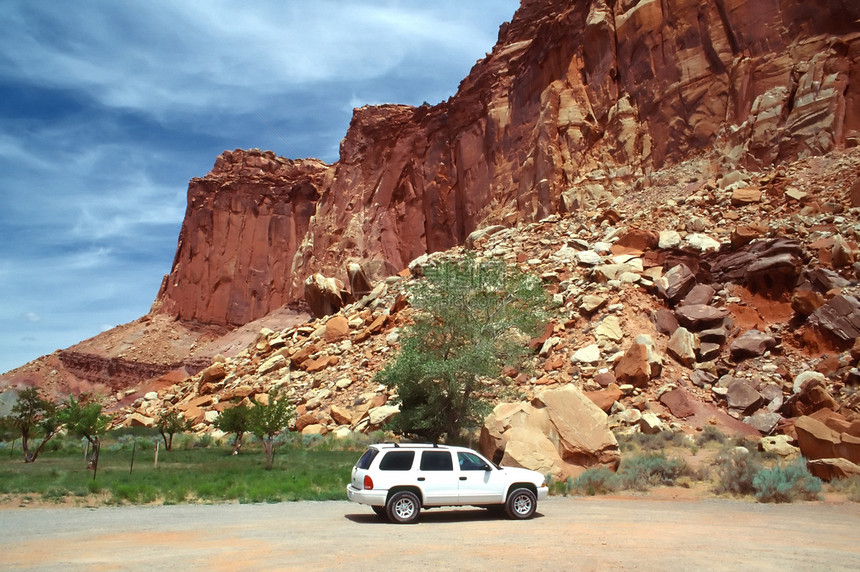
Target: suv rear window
397	461
367	458
436	461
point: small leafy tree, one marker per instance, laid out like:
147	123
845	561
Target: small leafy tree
270	418
34	416
170	423
236	420
473	317
84	417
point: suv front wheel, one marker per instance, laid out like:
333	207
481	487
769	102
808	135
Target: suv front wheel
521	504
403	507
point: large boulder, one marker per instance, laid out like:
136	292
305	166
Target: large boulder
634	367
742	397
530	448
811	396
683	345
576	430
818	441
752	343
829	469
675	283
698	317
324	296
839	318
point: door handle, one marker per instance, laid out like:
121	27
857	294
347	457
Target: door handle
420	478
462	478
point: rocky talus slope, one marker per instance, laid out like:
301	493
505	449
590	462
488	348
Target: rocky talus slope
731	301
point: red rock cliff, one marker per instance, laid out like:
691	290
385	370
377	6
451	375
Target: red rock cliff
242	227
578	102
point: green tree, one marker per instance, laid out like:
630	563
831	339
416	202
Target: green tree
170	423
34	417
472	318
268	418
84	417
236	420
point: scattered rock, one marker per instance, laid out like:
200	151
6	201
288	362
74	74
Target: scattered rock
751	344
683	346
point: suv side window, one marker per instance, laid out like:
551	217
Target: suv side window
436	461
397	461
470	462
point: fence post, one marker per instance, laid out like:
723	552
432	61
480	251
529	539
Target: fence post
133	448
157	443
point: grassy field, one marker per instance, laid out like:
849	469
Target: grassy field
202	470
195	471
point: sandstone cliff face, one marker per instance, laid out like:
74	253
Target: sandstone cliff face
579	102
243	225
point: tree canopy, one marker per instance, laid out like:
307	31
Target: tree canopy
34	417
84	417
236	420
472	318
268	418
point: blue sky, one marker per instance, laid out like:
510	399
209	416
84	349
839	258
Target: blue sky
108	108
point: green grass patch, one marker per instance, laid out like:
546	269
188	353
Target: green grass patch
197	471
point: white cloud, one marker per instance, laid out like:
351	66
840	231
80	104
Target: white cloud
109	108
165	57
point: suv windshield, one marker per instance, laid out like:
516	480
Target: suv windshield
471	462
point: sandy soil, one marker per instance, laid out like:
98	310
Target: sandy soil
617	533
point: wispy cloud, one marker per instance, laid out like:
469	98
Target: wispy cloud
108	108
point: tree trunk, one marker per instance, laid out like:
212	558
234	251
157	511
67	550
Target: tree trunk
25	445
93	463
269	447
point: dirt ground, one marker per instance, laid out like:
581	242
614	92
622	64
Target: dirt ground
598	533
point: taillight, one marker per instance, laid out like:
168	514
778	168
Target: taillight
368	483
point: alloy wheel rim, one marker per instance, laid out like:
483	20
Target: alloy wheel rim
404	508
522	504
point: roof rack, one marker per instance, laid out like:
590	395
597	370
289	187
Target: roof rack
414	445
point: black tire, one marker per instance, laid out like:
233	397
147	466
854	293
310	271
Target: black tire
403	507
521	504
380	511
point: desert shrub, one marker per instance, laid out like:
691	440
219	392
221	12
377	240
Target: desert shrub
644	471
557	487
710	434
736	469
850	487
651	442
595	481
309	441
786	484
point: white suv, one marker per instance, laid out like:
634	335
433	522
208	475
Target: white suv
397	480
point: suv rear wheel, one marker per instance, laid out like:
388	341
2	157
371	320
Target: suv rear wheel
521	504
403	507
